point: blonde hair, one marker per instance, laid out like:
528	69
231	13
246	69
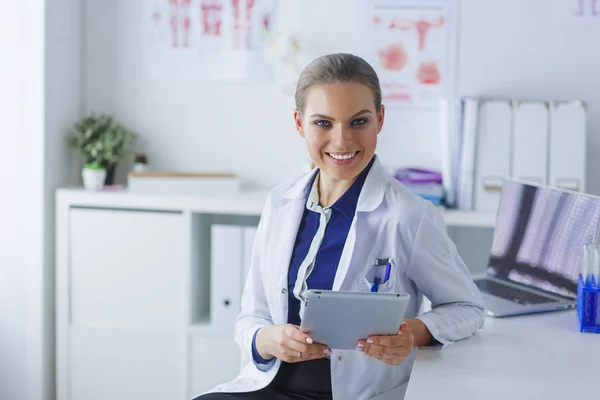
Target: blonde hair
337	68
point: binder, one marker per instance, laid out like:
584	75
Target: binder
492	166
567	157
530	142
467	154
225	275
249	233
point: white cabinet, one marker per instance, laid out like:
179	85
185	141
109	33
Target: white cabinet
126	320
127	268
146	298
215	360
120	364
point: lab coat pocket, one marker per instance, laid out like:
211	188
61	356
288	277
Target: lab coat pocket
366	285
383	272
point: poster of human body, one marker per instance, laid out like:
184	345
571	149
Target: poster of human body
217	39
412	45
577	12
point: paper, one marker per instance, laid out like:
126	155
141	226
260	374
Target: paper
212	39
410	44
576	12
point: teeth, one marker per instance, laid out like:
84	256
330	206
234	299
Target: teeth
342	157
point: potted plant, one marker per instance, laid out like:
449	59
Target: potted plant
102	141
94	176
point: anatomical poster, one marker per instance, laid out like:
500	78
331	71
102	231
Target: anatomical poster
577	12
412	46
213	39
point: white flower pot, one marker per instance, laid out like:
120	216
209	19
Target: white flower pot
93	179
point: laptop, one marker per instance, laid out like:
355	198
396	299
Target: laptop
536	252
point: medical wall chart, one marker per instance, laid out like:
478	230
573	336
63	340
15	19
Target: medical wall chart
214	39
576	12
411	45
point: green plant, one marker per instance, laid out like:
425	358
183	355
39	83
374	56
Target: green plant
100	139
93	165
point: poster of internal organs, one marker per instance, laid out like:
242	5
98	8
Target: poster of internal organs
210	39
577	12
412	46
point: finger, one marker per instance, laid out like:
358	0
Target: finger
390	341
404	328
381	352
395	360
294	332
317	349
292	356
313	356
374	350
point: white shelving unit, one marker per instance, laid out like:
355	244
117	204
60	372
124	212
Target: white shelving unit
137	291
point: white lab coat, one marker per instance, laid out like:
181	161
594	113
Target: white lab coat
389	222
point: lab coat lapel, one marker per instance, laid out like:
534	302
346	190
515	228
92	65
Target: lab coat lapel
371	196
287	221
345	258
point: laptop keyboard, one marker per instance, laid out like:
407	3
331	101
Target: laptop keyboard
512	293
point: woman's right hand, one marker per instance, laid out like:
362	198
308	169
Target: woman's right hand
288	343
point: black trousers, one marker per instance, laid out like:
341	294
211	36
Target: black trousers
308	380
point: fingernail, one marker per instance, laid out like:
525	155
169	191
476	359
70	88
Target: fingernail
361	345
369	340
309	340
327	351
360	348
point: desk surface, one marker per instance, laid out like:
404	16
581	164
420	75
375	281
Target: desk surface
541	356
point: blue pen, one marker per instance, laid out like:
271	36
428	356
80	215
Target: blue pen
388	269
375	287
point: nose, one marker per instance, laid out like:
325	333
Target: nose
341	135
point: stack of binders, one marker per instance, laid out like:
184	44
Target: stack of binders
540	142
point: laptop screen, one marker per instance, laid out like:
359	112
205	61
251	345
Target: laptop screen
539	236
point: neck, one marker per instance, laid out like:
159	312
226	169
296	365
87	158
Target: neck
330	190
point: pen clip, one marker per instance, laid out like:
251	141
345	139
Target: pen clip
388	262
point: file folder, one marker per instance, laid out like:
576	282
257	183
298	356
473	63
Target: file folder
530	142
225	275
492	166
466	163
249	234
567	157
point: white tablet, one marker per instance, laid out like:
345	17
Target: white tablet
340	319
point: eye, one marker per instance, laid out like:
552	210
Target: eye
359	121
322	123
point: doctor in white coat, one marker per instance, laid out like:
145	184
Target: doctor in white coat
324	230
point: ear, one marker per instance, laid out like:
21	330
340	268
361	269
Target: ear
380	118
298	123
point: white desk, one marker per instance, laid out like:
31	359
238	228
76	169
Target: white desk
540	356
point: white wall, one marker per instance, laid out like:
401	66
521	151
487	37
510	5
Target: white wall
187	124
21	158
190	125
62	107
40	77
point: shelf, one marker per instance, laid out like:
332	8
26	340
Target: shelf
474	219
246	202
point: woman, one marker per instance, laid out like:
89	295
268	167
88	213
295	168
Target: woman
324	231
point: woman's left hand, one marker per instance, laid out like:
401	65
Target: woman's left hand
389	349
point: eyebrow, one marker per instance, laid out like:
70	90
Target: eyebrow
365	111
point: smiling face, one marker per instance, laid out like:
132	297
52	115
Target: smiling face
340	125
